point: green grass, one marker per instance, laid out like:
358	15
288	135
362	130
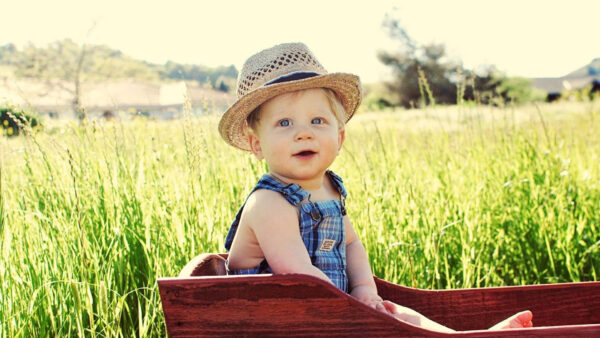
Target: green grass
442	198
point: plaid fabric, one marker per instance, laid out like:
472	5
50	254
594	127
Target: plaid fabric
321	227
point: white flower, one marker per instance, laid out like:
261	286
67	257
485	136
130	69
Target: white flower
586	175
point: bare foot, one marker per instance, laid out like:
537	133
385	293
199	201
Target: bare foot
517	321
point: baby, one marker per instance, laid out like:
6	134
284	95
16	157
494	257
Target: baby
291	113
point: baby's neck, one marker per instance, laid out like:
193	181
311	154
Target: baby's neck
309	185
320	188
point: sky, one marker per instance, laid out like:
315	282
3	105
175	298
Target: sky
527	38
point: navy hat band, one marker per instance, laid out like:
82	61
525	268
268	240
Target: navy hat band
292	77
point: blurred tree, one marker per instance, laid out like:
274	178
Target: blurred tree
201	74
67	65
412	62
7	51
423	73
519	90
481	86
221	85
61	65
7	55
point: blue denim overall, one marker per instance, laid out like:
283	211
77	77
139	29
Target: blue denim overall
321	228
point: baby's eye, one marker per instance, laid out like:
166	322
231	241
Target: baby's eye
317	120
284	123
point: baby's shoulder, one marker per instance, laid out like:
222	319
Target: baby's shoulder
266	196
268	202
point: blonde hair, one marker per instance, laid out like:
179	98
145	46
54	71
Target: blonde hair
335	105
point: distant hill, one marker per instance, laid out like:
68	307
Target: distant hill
60	60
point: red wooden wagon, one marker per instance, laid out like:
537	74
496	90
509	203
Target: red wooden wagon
203	301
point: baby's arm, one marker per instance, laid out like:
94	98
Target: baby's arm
360	278
274	222
362	284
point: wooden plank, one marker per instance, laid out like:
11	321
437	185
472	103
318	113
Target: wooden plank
470	309
265	305
300	305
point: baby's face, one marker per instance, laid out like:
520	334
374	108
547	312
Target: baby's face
298	135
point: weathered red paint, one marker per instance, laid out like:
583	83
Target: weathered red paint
301	305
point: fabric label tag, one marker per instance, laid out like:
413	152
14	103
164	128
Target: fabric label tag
327	245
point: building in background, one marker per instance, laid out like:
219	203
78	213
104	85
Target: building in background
115	98
588	75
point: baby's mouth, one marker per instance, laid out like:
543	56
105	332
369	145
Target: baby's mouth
304	153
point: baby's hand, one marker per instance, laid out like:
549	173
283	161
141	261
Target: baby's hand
368	296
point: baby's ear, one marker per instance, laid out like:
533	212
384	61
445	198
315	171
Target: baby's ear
255	145
341	138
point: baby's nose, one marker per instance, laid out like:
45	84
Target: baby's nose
304	132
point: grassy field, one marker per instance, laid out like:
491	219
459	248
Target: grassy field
442	198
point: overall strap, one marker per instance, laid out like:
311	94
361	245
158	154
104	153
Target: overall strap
339	185
291	192
337	182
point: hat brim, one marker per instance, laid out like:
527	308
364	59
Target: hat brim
232	126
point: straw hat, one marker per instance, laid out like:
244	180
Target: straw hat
278	70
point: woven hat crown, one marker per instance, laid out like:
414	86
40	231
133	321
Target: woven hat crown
274	62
